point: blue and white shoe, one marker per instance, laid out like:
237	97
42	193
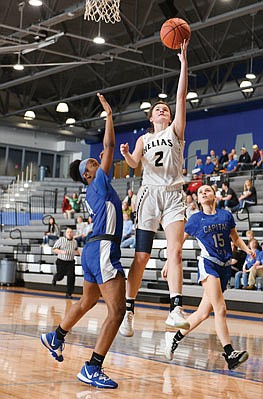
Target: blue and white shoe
94	375
54	345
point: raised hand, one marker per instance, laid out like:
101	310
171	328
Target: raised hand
106	106
182	54
124	149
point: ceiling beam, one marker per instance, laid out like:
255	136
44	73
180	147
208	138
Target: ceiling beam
243	56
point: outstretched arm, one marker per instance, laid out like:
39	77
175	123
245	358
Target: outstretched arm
109	137
180	110
240	243
133	159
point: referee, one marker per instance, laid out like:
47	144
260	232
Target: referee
66	248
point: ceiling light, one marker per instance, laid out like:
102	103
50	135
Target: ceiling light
35	3
18	67
62	107
145	105
162	95
103	114
99	40
250	75
192	96
246	86
70	121
29	115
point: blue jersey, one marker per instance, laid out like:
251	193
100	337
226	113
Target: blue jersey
104	206
260	257
250	260
232	164
213	234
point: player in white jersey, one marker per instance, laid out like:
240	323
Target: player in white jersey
160	198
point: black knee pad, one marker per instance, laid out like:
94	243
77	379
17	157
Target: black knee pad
144	241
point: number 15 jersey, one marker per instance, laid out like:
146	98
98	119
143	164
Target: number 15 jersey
162	159
212	233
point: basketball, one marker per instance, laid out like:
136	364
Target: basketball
173	32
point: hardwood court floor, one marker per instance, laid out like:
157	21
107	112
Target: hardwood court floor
27	370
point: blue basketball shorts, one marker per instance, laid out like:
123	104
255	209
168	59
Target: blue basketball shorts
101	261
206	268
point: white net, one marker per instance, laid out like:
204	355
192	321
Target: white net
106	10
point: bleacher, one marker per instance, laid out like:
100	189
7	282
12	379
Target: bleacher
5	181
36	264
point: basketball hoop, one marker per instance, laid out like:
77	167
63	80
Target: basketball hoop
106	10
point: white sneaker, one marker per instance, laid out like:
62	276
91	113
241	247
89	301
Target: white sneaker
176	319
170	345
126	328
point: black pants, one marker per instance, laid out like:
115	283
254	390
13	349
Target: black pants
66	268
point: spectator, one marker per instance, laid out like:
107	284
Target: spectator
234	153
131	201
191	209
74	202
256	156
128	239
249	262
187	178
195	184
194	195
129	243
81	199
255	271
66	248
259	163
217	192
213	155
66	207
189	200
224	157
232	164
248	198
127	227
217	166
126	209
228	197
244	161
88	229
198	168
208	168
80	235
238	259
250	235
52	233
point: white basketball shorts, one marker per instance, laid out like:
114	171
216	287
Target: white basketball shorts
157	204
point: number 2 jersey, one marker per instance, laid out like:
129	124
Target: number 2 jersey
162	159
213	234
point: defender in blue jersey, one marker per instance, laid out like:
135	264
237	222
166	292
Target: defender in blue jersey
103	273
214	229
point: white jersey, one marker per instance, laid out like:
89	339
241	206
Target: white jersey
162	159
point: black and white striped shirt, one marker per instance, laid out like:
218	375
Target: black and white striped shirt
70	246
